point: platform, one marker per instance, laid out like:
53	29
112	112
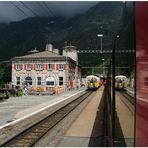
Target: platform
124	127
86	130
17	107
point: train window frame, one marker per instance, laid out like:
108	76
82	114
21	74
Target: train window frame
146	81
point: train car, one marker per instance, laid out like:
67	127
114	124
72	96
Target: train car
93	82
121	82
141	82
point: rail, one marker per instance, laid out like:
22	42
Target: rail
32	135
128	100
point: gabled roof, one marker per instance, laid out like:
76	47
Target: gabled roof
43	54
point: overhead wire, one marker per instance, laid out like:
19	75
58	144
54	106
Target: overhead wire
49	9
19	9
29	8
43	7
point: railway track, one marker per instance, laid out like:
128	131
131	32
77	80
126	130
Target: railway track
128	100
29	137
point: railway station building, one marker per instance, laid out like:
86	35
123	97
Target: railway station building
47	69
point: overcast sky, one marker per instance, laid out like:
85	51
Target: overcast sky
14	11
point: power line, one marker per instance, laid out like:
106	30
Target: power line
48	9
29	8
19	9
43	7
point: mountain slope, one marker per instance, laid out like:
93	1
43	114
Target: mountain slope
19	37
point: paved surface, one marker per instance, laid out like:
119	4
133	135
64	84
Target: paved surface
86	127
17	107
124	124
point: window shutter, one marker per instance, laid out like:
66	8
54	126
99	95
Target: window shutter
46	66
21	66
52	66
24	66
65	66
33	67
43	66
57	65
14	66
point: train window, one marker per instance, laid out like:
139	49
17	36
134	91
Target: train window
146	81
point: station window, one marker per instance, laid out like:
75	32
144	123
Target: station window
17	80
28	80
60	81
39	66
18	67
28	67
50	81
61	66
49	66
39	81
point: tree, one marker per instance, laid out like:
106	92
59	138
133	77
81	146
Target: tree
1	75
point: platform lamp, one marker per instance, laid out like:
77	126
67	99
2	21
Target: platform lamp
103	66
100	36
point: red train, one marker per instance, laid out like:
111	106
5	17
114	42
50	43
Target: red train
141	28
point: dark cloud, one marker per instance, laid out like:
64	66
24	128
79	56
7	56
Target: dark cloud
14	11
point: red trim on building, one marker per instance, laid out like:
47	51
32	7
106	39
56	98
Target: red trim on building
57	66
53	66
14	66
46	66
24	66
33	66
21	66
65	66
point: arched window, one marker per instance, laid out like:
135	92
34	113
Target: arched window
50	81
28	80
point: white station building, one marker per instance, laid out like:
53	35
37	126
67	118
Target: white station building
48	69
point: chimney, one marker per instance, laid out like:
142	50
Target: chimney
49	47
56	51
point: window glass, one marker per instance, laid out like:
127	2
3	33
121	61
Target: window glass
17	80
61	66
17	66
28	67
50	81
60	81
38	80
39	67
50	66
28	80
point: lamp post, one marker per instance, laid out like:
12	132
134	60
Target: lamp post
113	86
103	66
100	36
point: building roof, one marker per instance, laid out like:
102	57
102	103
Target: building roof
41	56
